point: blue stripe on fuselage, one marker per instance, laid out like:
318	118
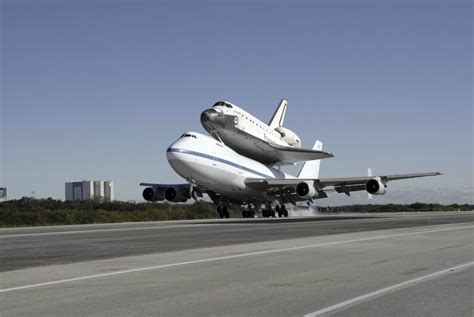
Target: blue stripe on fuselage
214	158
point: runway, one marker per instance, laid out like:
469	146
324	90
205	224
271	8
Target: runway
403	264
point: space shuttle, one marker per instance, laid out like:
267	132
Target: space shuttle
270	144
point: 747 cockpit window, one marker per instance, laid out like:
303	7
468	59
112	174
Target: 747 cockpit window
186	135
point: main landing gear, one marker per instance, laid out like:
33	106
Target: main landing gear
248	211
281	211
268	212
223	212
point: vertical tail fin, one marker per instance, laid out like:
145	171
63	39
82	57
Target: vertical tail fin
310	169
279	115
369	173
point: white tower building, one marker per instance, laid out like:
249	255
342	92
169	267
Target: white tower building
102	190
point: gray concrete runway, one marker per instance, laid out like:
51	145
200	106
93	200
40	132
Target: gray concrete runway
405	264
27	247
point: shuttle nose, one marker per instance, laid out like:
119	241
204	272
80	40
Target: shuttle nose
211	116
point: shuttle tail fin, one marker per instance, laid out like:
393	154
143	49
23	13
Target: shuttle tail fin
279	115
310	169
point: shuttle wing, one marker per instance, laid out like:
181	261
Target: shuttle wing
291	155
269	153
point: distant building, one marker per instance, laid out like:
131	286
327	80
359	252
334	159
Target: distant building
101	190
3	193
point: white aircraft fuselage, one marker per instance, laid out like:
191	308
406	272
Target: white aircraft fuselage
208	162
227	177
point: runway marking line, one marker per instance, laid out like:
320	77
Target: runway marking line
55	233
393	288
235	256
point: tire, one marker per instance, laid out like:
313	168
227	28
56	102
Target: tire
225	212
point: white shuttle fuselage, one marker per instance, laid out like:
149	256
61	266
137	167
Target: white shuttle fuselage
213	120
266	143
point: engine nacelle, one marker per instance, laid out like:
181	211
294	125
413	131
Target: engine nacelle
306	190
175	195
375	186
289	137
154	194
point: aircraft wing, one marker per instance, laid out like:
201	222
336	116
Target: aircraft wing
287	187
189	190
155	185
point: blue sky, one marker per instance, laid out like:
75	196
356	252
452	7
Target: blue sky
99	89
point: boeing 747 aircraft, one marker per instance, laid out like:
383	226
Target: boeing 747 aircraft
267	143
210	167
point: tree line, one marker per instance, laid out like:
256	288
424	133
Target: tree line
39	212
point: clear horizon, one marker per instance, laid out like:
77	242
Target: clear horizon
97	90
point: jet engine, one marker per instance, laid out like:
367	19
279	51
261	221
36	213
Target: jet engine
306	190
289	137
154	194
375	186
175	195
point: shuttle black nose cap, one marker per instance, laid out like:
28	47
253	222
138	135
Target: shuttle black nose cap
211	116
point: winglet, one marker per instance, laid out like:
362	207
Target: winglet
279	115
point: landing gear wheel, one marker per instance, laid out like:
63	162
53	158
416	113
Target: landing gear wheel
219	212
278	211
225	212
284	211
